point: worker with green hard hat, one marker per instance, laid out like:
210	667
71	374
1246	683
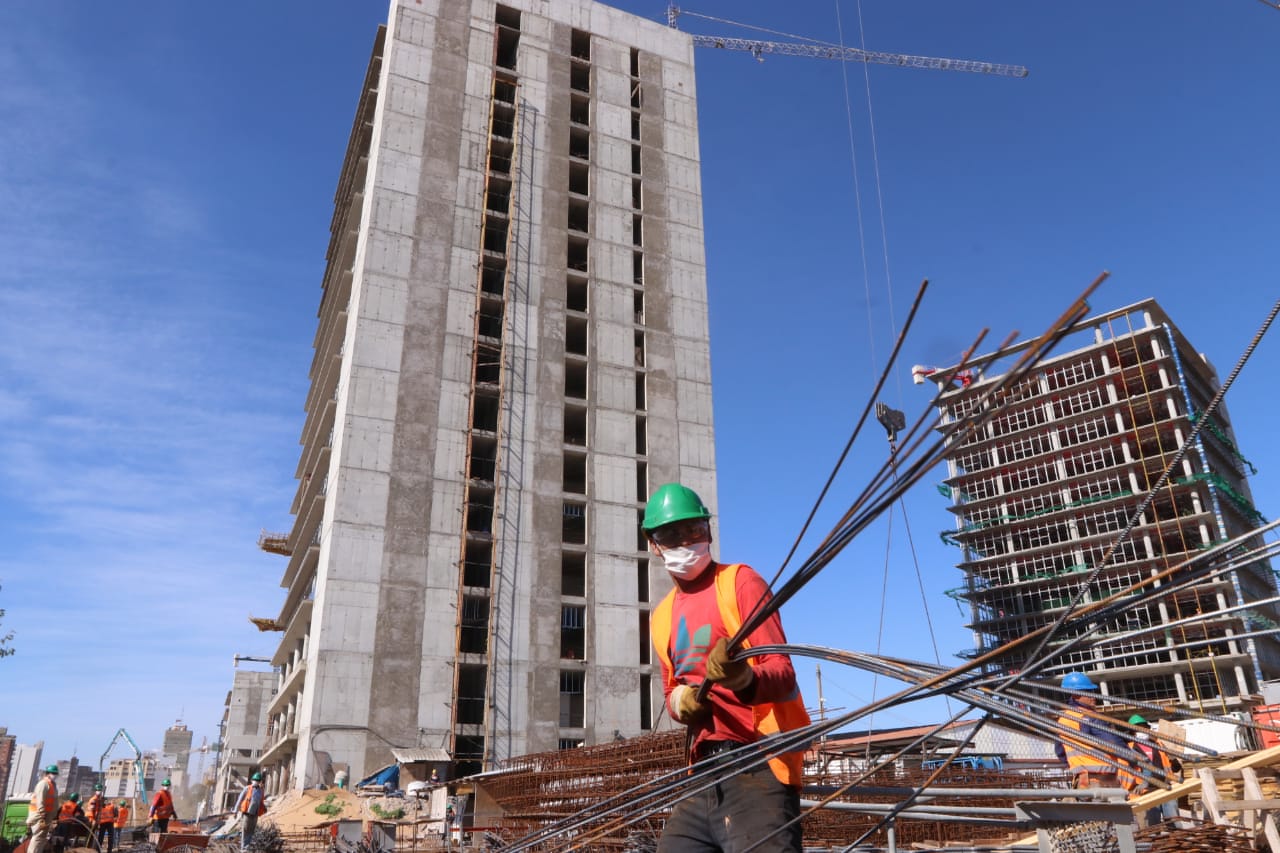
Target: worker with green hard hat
251	805
746	699
1144	779
70	817
42	811
162	810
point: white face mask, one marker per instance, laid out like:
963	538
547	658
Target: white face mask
688	561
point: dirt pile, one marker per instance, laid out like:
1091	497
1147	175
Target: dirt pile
295	811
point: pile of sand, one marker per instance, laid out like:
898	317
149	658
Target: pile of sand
295	811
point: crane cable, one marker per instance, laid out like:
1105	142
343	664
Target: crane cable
866	278
758	29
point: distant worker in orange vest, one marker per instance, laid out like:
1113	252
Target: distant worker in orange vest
122	818
1170	770
162	808
70	821
748	699
1105	769
107	826
42	811
93	808
251	805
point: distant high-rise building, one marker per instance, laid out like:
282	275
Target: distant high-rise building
1042	490
176	752
512	352
8	743
25	769
244	725
122	777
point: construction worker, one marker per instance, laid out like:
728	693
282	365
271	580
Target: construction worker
70	821
747	700
107	826
162	809
1088	769
42	811
1142	780
251	805
122	818
93	808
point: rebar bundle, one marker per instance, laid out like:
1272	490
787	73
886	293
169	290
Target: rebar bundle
538	791
1204	838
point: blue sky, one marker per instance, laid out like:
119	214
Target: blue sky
167	173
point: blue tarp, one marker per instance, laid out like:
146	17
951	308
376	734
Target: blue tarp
388	776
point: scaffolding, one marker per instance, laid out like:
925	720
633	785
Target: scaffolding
1042	492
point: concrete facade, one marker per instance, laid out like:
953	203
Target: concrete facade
1042	490
512	352
243	727
7	744
24	772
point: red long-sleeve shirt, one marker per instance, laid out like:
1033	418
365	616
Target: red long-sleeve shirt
696	625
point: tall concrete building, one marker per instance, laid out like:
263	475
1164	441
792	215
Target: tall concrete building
175	756
8	743
25	769
1043	489
512	351
244	724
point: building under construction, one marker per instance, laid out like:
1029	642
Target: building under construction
1043	488
512	350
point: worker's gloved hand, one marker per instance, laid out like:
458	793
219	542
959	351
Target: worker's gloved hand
684	701
733	674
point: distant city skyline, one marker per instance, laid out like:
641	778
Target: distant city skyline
167	230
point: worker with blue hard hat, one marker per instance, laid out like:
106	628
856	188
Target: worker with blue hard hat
1089	769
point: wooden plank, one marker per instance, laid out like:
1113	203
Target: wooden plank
1262	758
1252	788
1247	805
1209	797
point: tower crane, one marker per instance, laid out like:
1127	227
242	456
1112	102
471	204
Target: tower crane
825	50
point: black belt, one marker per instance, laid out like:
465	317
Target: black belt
708	748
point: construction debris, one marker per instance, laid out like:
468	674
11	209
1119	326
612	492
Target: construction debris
1201	838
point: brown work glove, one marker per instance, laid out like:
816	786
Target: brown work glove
734	674
684	701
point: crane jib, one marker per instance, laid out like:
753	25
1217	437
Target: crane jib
852	54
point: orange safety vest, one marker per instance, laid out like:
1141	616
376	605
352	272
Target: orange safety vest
68	810
48	799
92	808
246	799
107	814
1078	760
162	807
1139	781
122	816
767	717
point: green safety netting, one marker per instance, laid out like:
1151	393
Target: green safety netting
1223	486
1222	437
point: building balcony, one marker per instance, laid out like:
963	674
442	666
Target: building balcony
282	749
292	686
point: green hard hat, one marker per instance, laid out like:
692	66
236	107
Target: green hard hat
52	768
75	798
123	804
1137	720
165	783
97	787
673	502
256	777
